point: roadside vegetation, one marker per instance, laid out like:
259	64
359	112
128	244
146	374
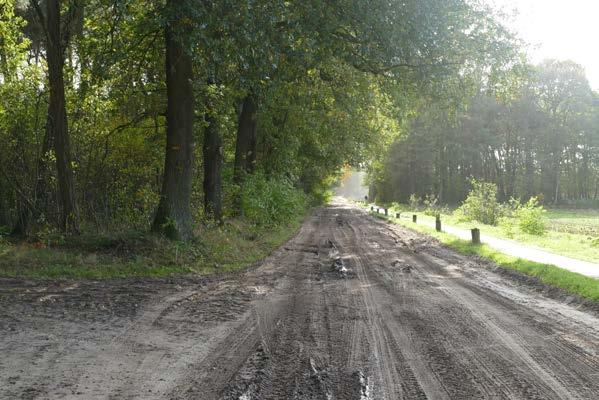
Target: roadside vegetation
213	125
234	245
572	233
572	282
272	213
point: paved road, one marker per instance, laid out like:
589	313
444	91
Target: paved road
526	252
351	308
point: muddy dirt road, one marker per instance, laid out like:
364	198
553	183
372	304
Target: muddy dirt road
351	308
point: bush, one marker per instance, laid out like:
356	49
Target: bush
530	217
481	204
271	201
399	207
508	225
415	202
431	206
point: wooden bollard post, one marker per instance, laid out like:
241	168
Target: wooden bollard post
475	235
438	223
386	212
397	215
414	218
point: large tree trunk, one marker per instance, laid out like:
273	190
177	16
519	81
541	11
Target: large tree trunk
245	149
57	118
213	161
173	216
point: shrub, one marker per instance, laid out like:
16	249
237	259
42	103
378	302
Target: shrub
481	204
271	200
415	202
507	224
431	206
530	217
399	207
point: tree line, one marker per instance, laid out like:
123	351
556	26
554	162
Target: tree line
136	113
539	139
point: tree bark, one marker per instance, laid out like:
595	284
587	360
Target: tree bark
529	169
557	179
173	216
57	117
245	148
213	161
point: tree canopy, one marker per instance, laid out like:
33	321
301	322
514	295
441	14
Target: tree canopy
542	140
136	113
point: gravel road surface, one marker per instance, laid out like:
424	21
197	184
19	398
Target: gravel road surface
350	308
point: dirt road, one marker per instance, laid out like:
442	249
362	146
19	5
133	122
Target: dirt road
351	308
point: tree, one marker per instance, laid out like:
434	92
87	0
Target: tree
538	140
245	148
173	216
213	162
58	30
322	84
562	92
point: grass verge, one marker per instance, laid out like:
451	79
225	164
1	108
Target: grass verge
566	243
233	246
571	282
571	233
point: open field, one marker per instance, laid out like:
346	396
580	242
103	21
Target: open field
583	222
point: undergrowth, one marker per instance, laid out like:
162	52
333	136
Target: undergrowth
272	211
236	244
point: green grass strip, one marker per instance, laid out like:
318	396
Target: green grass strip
571	282
232	247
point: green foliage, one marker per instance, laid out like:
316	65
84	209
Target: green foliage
538	137
399	207
271	200
481	204
415	202
328	88
530	217
507	225
13	44
431	205
575	221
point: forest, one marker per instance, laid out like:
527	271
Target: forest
540	139
136	114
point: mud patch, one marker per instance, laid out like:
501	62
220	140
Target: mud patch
339	267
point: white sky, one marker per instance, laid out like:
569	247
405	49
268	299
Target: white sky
560	29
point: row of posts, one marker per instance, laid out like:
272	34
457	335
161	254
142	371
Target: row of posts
475	232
